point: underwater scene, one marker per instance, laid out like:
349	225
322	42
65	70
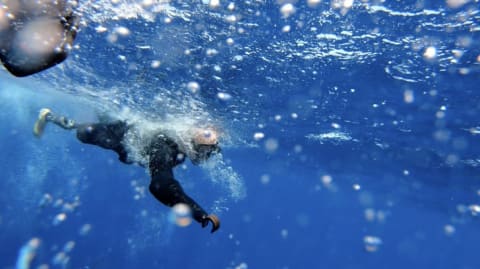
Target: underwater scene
249	134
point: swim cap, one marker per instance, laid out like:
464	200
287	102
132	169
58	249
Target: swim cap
205	137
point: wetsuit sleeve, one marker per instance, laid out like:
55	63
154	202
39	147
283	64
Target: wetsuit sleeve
167	190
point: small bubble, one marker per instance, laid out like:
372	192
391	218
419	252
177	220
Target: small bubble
369	214
335	125
147	3
449	229
430	53
181	215
46	200
265	179
61	259
326	180
286	28
456	3
230	41
294	115
100	29
214	3
242	266
258	136
238	58
224	96
462	209
347	3
372	243
123	31
297	148
313	3
474	209
406	172
464	71
85	229
231	6
69	246
440	115
193	86
287	10
212	52
284	233
271	145
356	187
408	96
59	218
231	18
278	118
155	64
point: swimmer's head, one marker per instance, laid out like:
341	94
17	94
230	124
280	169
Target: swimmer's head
205	143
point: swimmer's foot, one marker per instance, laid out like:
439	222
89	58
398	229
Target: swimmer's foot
43	117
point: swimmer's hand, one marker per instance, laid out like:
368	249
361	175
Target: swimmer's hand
213	219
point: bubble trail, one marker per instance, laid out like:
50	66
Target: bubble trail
27	254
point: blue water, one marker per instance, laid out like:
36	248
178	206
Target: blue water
341	129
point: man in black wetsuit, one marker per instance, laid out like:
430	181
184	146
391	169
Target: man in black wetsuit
35	35
162	153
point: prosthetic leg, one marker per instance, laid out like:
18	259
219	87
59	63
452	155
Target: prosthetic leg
45	115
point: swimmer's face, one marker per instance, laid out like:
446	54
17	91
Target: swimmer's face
205	143
203	152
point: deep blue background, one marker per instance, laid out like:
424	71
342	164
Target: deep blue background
293	221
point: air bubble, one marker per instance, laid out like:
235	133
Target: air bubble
258	136
287	10
155	64
224	96
193	86
58	219
408	96
430	53
449	229
123	31
265	179
372	243
313	3
181	215
271	145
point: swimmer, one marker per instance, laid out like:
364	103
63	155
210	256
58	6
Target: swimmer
35	35
162	153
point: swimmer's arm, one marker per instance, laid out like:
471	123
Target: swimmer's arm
169	192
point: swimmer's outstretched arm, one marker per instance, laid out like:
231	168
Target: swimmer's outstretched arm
168	191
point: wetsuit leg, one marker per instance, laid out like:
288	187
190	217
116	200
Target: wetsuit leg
105	135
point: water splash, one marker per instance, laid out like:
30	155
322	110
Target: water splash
224	175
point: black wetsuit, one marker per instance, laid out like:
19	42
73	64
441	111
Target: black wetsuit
163	155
